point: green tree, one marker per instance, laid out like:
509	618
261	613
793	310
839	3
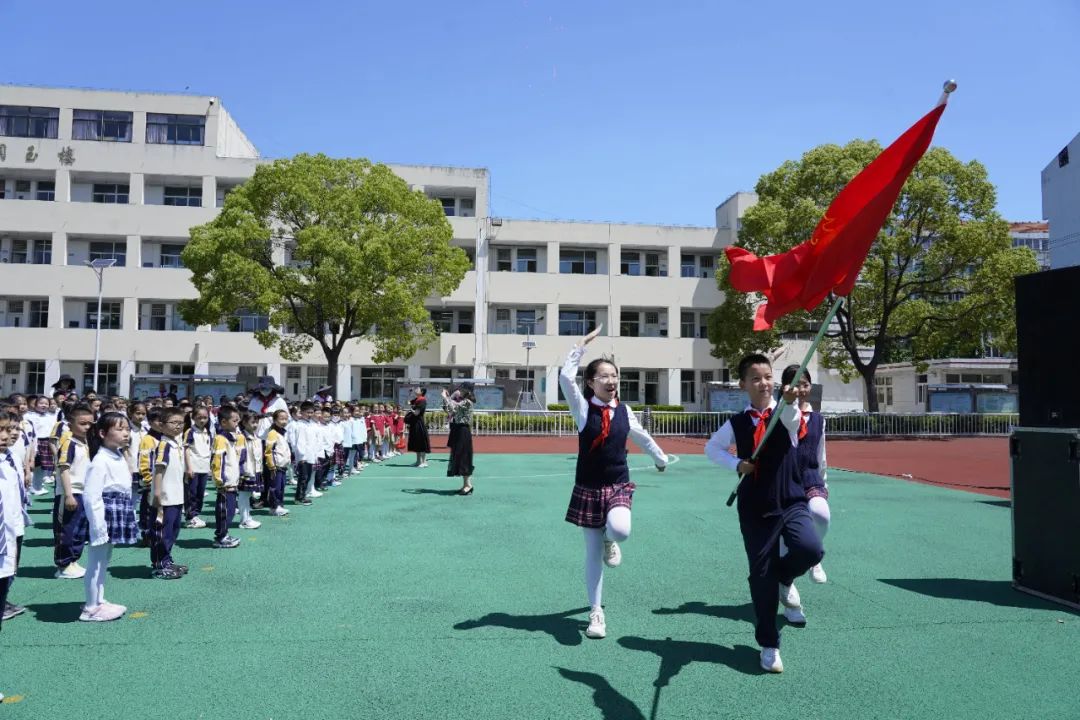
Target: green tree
937	281
331	250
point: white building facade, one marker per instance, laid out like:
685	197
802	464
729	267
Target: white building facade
94	175
1061	205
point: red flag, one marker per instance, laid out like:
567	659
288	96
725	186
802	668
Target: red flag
831	259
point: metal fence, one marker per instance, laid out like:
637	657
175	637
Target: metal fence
703	424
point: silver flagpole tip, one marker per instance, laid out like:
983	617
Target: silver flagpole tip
950	86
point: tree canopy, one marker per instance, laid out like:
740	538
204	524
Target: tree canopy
332	251
937	281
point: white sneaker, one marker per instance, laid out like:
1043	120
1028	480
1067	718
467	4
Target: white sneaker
315	494
597	626
795	616
196	522
280	511
74	571
789	596
817	574
770	660
39	492
612	554
250	524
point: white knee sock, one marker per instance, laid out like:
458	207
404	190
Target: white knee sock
617	528
97	561
819	509
594	565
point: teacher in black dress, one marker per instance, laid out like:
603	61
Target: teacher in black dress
459	408
419	442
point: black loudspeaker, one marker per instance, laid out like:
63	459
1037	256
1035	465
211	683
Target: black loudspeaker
1047	309
1046	512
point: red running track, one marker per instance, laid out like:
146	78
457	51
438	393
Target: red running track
978	465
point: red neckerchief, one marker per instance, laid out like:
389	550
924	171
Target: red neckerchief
605	425
762	417
266	401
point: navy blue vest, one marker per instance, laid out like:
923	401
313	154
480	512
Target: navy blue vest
777	483
809	467
606	465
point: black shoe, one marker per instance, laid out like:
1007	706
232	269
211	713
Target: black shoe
303	501
182	569
11	610
166	573
464	491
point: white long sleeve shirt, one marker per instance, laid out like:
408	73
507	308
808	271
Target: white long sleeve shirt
108	472
718	448
579	407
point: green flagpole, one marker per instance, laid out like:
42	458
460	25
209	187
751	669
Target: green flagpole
798	377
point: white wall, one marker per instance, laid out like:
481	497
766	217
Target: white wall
1061	207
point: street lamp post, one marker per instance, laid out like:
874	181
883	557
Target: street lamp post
99	266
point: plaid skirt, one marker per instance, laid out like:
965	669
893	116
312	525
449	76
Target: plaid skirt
120	518
589	506
45	459
339	454
817	491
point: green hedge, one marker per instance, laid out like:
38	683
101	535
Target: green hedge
636	408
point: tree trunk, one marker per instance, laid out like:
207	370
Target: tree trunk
332	356
868	373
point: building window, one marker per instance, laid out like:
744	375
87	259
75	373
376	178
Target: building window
630	263
464	322
652	265
109	251
110	315
687	268
19	252
687	325
686	384
629	386
443	320
884	388
29	122
652	387
15	309
111	193
170	256
39	314
577	262
244	321
42	252
183	196
629	325
526	322
467	206
1063	156
378	383
706	378
503	260
109	125
708	263
576	322
46	190
35	376
526	260
449	205
154	316
22	189
164	129
108	378
502	321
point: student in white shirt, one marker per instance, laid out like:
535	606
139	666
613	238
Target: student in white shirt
167	497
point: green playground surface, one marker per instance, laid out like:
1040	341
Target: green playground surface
391	597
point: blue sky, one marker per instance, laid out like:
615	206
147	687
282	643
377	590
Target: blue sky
589	109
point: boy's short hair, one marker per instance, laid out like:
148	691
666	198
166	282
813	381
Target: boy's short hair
226	412
167	413
749	361
79	410
307	405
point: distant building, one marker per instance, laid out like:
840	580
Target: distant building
1034	235
1061	205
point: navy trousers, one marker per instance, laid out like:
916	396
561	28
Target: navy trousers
163	536
276	489
195	494
224	511
761	538
305	469
70	531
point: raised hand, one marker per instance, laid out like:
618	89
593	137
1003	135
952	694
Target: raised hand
592	336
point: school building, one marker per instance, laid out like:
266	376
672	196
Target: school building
90	175
1061	205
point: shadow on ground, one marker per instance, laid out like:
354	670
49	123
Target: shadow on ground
560	626
993	592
